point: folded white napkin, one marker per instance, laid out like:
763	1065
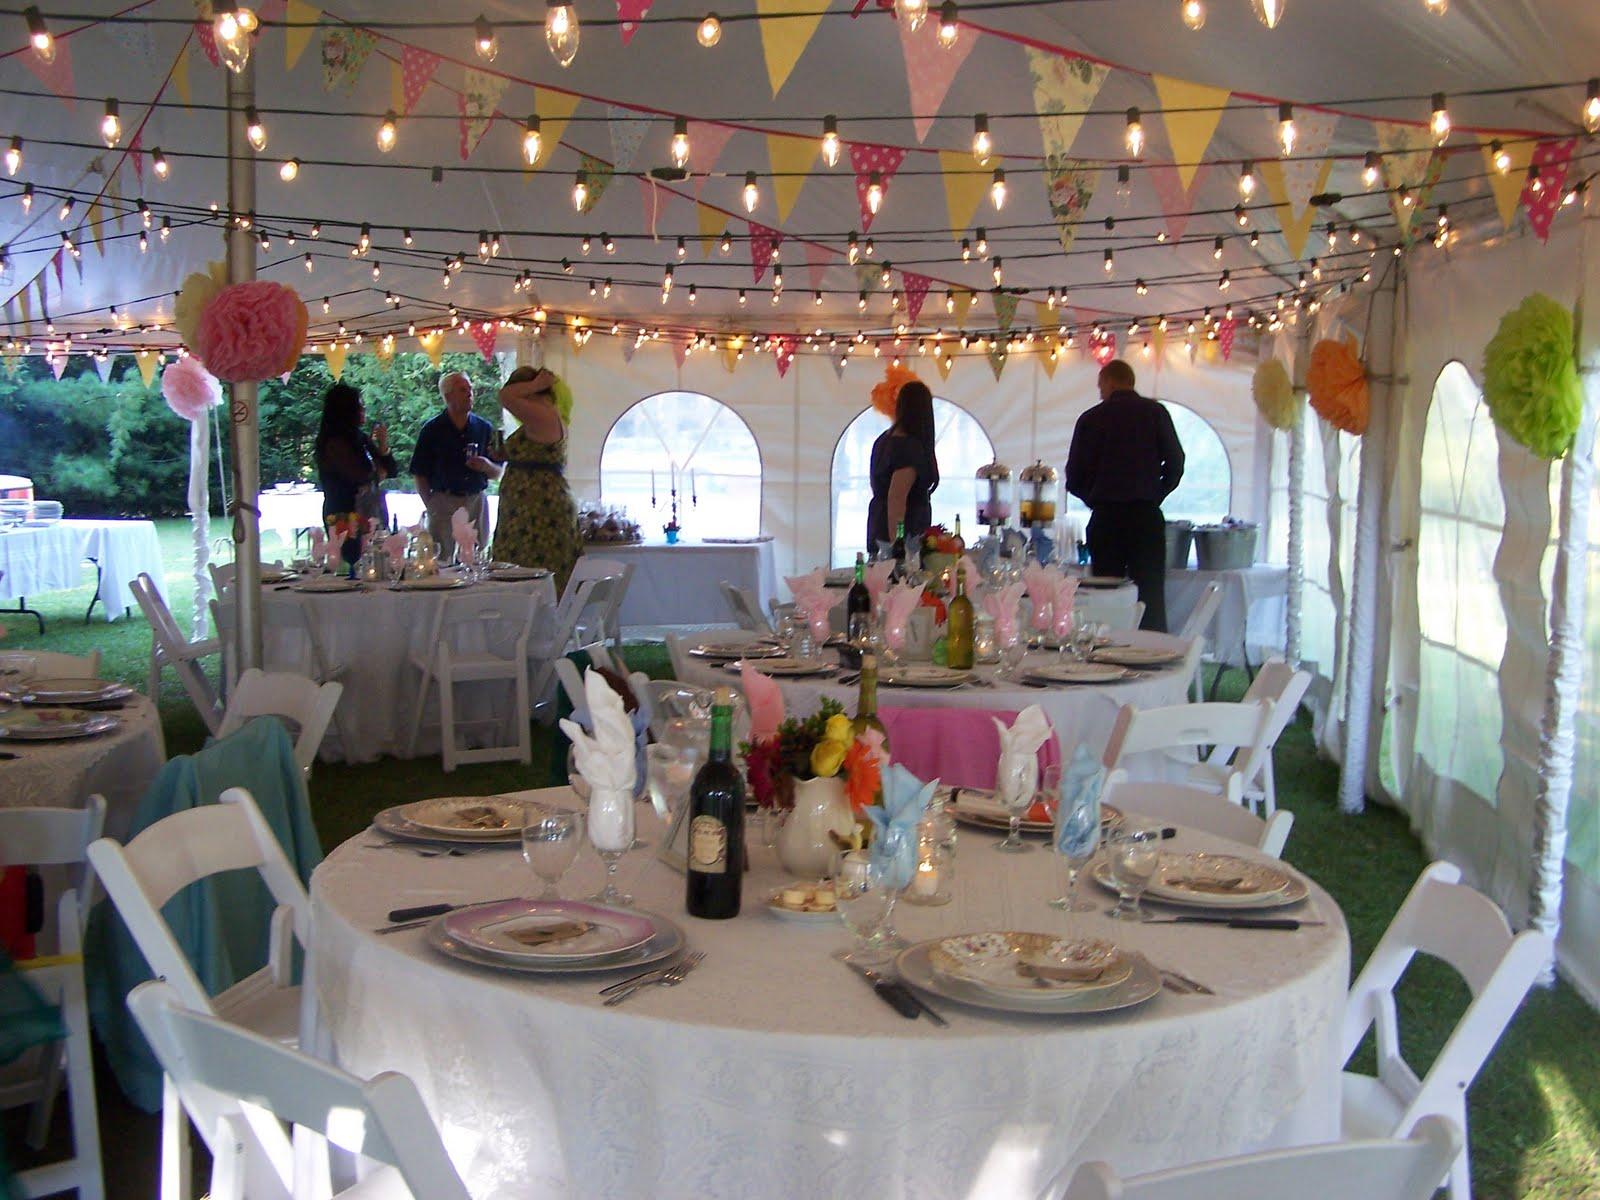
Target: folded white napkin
607	761
1019	750
464	532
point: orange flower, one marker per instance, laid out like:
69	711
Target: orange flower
862	776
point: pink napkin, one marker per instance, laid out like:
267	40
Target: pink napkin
974	577
899	602
811	600
465	534
395	547
319	545
1061	606
765	700
331	551
1002	606
1041	583
878	579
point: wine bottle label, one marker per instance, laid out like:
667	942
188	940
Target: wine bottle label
708	846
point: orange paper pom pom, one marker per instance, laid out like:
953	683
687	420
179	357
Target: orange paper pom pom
1336	383
886	395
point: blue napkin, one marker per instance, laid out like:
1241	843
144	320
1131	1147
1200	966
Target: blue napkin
1078	818
894	824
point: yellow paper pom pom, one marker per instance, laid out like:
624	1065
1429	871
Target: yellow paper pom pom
198	290
1274	394
1336	383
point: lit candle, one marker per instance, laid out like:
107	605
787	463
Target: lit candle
926	881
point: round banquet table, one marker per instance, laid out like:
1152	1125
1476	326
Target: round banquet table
118	764
774	1071
365	640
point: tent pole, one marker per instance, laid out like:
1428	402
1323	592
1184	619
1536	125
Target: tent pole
243	410
1297	483
1568	604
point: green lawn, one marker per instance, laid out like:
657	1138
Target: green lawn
1534	1111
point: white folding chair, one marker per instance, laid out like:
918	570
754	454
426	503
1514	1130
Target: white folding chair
1200	809
678	654
222	577
1444	918
1198	627
1371	1170
234	1083
481	638
594	612
1188	726
169	648
745	608
59	837
303	702
551	641
1278	684
51	664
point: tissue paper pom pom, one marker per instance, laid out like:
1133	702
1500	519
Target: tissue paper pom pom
561	393
1336	382
251	331
199	290
190	389
1274	394
1530	377
886	394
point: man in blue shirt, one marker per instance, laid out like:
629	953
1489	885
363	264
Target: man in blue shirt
450	466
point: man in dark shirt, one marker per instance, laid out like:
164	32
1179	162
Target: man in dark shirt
1125	460
450	466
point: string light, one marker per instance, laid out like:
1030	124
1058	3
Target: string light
1439	120
874	192
726	244
1591	107
1110	263
1050	299
27	198
1140	287
886	275
1247	181
912	12
609	245
254	130
39	36
290	170
983	241
580	190
817	299
388	134
144	242
1194	14
830	140
966	250
869	250
1286	129
666	283
1134	137
1240	216
982	144
325	305
693	293
266	242
484	42
1437	7
159	164
111	124
605	290
310	265
364	239
231	27
1269	12
316	229
1444	217
752	192
1227	278
65	211
561	31
997	189
14	156
166	228
1371	167
680	143
999	271
1124	182
709	32
949	29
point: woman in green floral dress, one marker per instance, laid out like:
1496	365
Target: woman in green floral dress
538	523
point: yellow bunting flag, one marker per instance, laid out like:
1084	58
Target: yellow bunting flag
1189	132
712	224
944	362
791	159
1406	151
1296	226
1064	88
335	355
555	110
964	302
180	75
1050	356
397	87
730	355
1158	341
97	219
1507	187
787	27
966	186
301	19
432	344
148	360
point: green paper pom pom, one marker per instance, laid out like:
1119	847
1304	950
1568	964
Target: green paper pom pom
561	393
1530	377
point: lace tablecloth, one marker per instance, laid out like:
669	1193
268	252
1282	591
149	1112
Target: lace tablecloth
1249	623
119	765
774	1072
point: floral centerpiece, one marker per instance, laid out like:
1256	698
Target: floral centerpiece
347	530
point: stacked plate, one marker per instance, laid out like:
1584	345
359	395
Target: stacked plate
511	572
1101	581
67	691
317	584
1138	656
37	723
726	649
783	666
474	819
429	583
920	676
1030	972
979	808
1068	671
1205	880
554	937
275	574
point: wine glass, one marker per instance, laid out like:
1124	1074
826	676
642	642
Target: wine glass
1075	841
864	899
550	844
1083	635
1016	783
611	834
1135	851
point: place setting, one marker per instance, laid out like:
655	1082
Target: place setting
42	723
784	666
78	693
729	649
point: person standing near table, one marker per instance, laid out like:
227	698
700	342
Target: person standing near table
450	466
538	519
350	464
1125	460
904	469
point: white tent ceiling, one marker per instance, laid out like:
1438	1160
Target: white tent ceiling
1347	53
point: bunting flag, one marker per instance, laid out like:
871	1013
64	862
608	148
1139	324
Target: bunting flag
26	305
1191	112
866	158
1050	356
600	176
791	159
916	292
708	141
1070	183
77	264
631	12
432	342
1043	315
680	352
55	75
344	54
629	345
1158	343
136	152
787	27
868	276
1103	348
147	360
818	259
784	354
1176	198
1303	175
930	70
416	73
96	220
59	261
485	333
1225	331
944	362
1552	158
627	131
480	96
837	362
712	223
964	303
1507	187
397	88
1063	89
764	244
207	37
554	109
964	188
42	285
1296	226
1005	309
58	364
180	76
997	358
302	18
334	356
730	355
1406	151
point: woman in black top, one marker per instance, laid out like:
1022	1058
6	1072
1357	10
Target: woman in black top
350	464
904	469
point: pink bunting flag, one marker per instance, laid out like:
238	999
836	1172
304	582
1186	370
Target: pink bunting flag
136	150
930	70
1176	203
680	352
484	333
764	243
631	12
818	259
207	37
784	355
916	288
708	140
1225	331
56	75
1103	348
416	72
865	159
1552	158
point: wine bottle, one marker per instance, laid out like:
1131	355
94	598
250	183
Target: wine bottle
858	605
899	552
960	542
867	701
716	823
958	627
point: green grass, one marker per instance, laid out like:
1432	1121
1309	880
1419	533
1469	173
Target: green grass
1534	1110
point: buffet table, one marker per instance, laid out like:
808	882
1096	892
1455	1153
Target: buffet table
1251	615
680	585
774	1071
49	558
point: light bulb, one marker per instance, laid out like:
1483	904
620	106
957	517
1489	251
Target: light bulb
159	164
608	243
912	12
1286	130
531	141
1372	166
949	30
1444	217
254	130
388	134
310	265
484	43
14	156
1140	287
693	293
64	213
966	250
1500	157
709	32
997	189
1227	278
1535	183
817	299
982	144
726	244
1439	120
983	241
1240	216
1247	180
1269	12
1216	249
680	143
231	27
166	228
752	192
874	193
144	243
886	275
290	170
364	239
38	36
683	249
561	31
580	190
1437	7
1134	137
1110	262
1194	14
1591	107
605	290
111	124
868	249
27	198
830	140
999	271
1124	182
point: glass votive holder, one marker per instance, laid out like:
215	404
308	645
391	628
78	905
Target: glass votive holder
936	861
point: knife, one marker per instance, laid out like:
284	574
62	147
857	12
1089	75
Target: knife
1238	922
424	911
896	995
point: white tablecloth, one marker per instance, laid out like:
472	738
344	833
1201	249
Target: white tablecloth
286	513
119	765
364	641
50	559
1250	619
775	1072
678	585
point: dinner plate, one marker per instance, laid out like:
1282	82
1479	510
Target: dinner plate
667	941
973	806
997	962
1076	672
395	823
511	574
784	666
1101	581
490	818
67	691
275	574
1295	891
1137	656
429	583
915	968
326	583
919	676
497	930
1218	880
730	649
38	724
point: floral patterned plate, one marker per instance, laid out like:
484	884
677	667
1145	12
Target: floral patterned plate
1010	962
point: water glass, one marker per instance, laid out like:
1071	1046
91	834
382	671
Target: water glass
1083	635
550	838
1134	852
864	901
1016	784
1076	838
670	771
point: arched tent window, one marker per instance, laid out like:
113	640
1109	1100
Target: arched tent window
1458	600
1206	491
962	447
689	432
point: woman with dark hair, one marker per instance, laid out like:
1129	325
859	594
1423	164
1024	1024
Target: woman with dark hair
350	464
904	469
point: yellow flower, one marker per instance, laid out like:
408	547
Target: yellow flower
827	756
838	729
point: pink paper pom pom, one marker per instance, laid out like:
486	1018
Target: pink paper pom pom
190	389
251	331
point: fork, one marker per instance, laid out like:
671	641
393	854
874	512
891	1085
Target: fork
670	978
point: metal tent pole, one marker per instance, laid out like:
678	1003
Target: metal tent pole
1296	487
243	414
